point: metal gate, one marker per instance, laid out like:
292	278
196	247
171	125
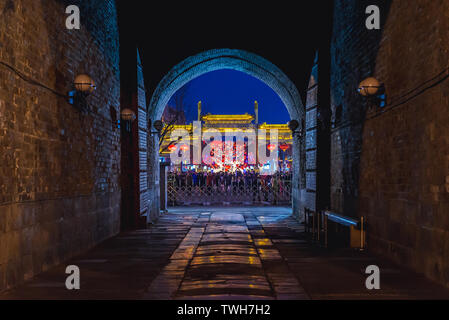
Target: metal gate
265	190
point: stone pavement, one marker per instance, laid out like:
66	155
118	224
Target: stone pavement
224	253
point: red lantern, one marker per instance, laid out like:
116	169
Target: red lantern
284	147
184	147
271	147
172	147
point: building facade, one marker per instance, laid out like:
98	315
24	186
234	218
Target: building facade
228	155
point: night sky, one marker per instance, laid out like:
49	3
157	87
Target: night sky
232	92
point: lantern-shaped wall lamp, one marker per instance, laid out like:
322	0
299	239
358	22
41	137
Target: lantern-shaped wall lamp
158	125
271	147
84	85
373	91
128	116
293	125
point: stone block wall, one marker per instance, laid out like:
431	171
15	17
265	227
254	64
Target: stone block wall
353	58
310	168
391	164
145	186
59	167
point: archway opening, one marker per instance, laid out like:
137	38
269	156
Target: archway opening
236	60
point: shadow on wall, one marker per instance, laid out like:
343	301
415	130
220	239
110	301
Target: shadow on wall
60	191
351	63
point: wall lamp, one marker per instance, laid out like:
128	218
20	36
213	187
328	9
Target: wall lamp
293	125
158	125
84	85
128	116
373	91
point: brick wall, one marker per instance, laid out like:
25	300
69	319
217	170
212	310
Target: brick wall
59	168
310	169
353	58
142	121
391	164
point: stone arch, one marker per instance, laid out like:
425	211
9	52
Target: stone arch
234	59
238	60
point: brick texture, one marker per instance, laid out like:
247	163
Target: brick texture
391	165
309	171
59	167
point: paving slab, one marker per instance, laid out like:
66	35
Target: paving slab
234	253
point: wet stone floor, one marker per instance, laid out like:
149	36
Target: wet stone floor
224	253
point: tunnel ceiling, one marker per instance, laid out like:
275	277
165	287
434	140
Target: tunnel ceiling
287	36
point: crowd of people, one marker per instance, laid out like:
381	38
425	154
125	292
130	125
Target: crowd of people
233	183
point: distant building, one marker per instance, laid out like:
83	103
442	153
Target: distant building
228	123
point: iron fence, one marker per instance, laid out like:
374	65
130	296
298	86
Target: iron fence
268	190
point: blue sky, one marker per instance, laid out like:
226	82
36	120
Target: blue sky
233	92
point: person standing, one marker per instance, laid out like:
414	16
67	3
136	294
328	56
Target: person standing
228	181
194	179
265	186
209	183
275	188
234	184
202	179
189	183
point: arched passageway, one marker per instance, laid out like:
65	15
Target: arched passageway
238	60
217	59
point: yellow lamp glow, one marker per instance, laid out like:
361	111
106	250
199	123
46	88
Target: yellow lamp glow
84	83
369	87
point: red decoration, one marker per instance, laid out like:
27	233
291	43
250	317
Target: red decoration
271	147
184	147
284	147
172	147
